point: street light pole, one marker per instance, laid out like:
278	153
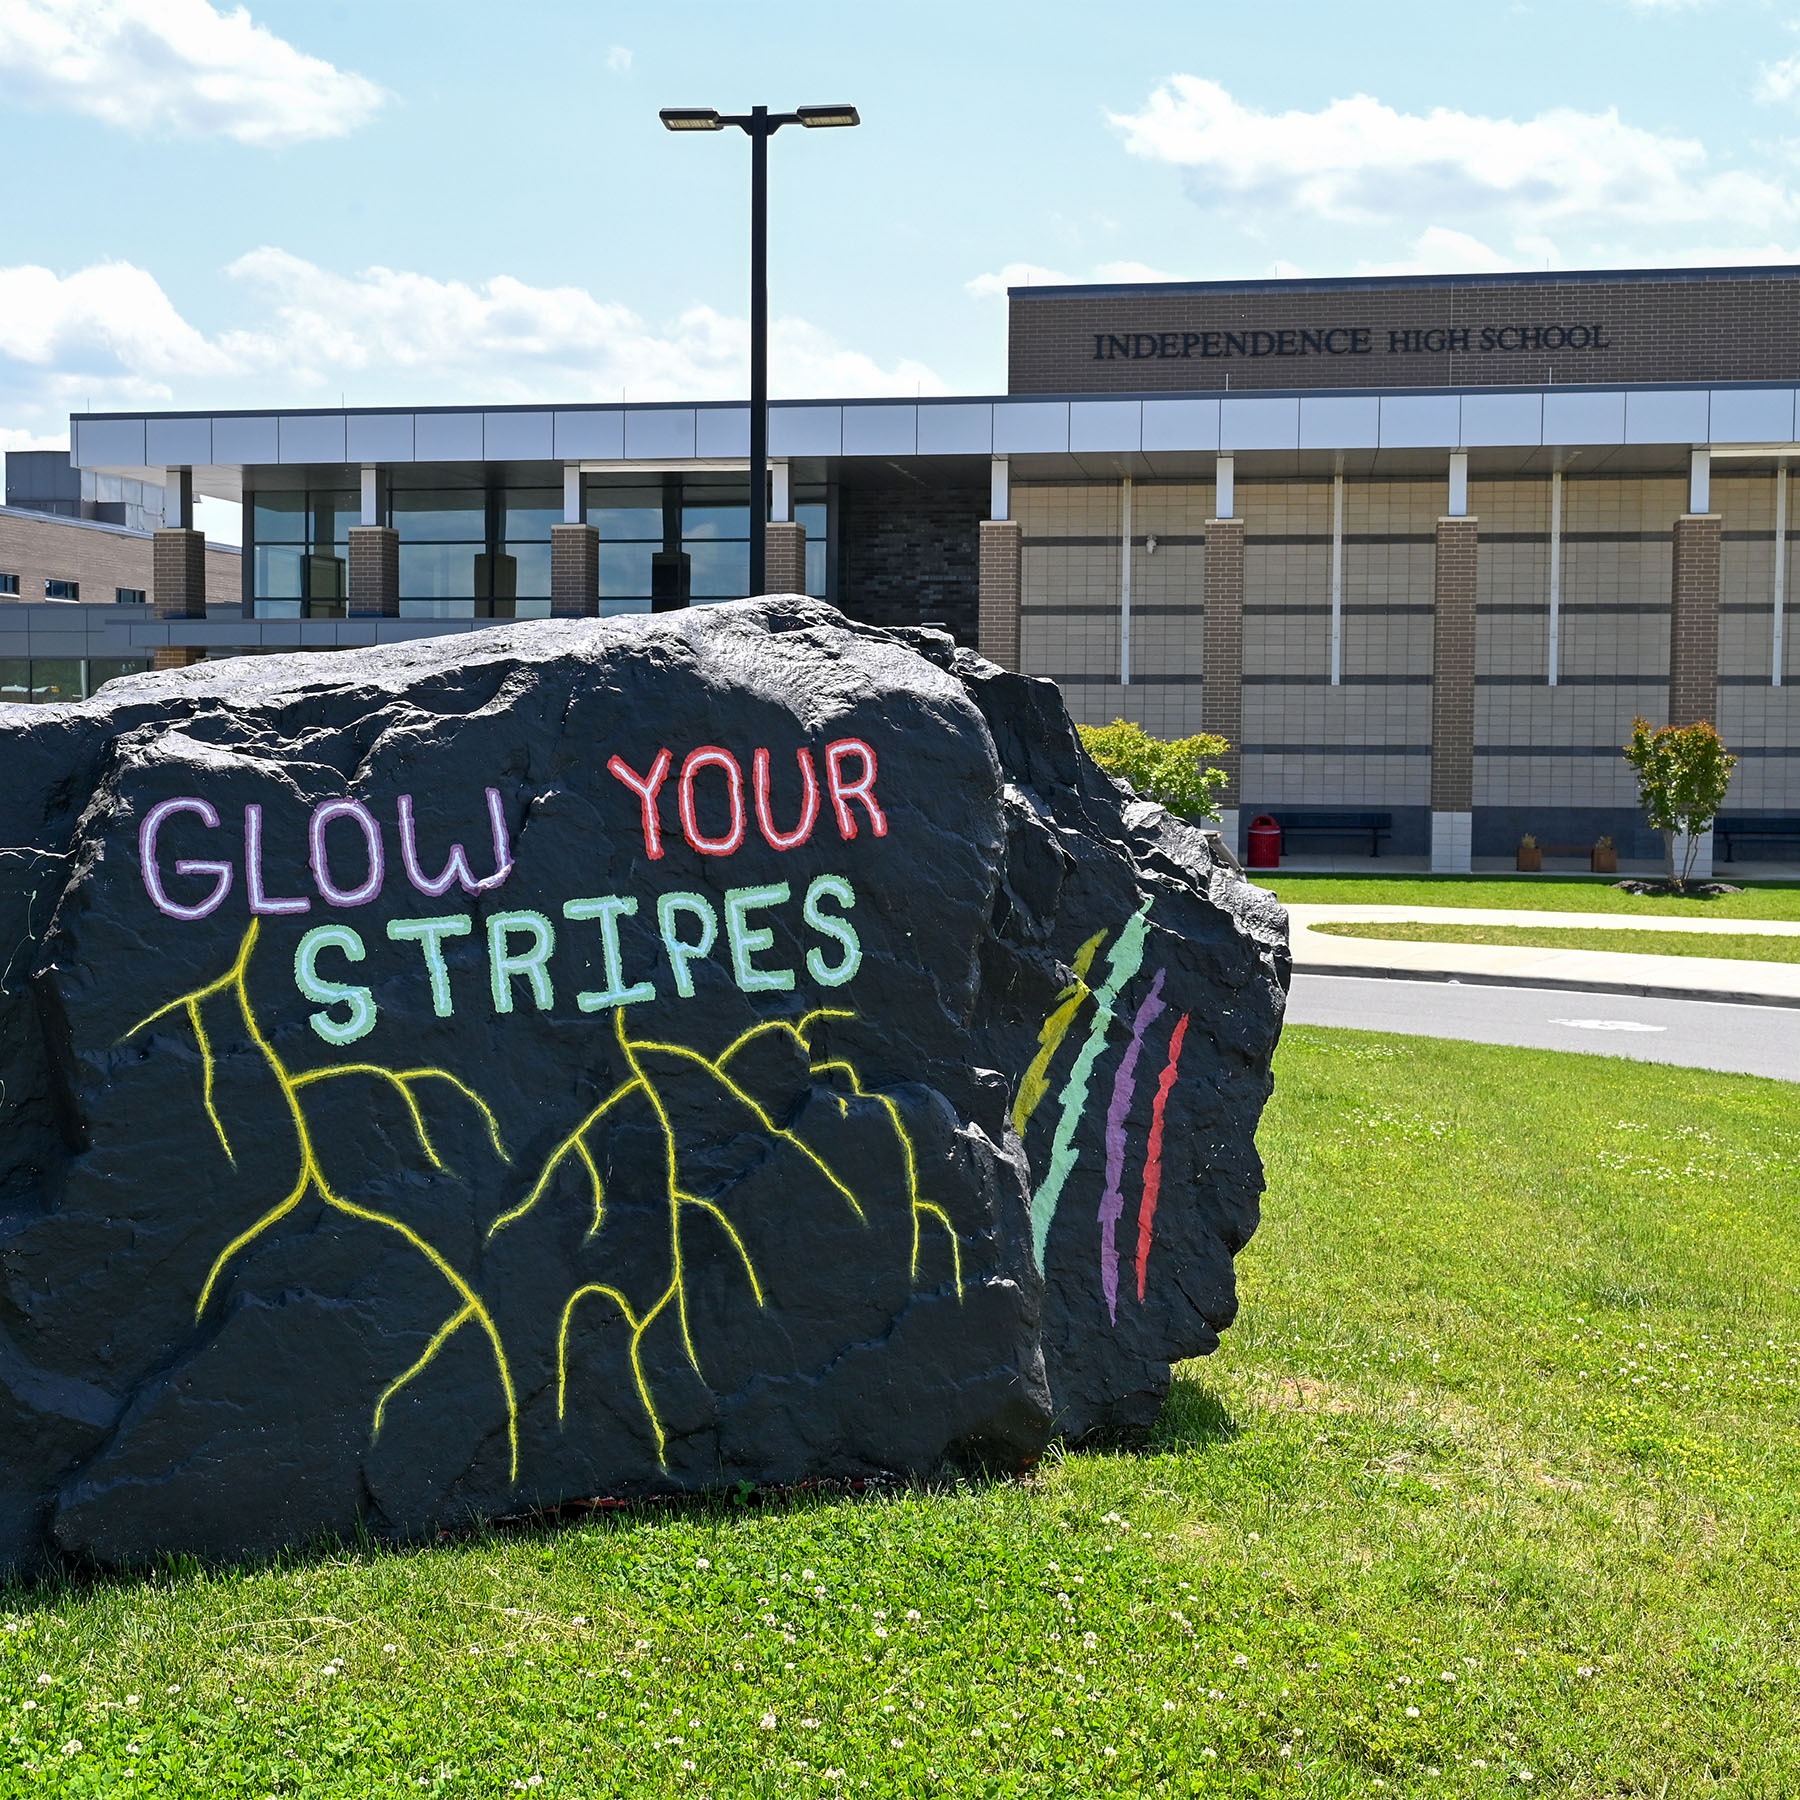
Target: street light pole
759	125
760	132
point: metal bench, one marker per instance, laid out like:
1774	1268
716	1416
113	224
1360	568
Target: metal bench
1336	824
1774	828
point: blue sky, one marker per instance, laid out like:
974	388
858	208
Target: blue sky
434	202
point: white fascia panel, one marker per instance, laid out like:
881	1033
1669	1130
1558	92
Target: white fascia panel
1501	420
597	435
178	443
667	432
447	437
881	430
311	438
806	431
517	437
243	441
1024	427
1421	421
108	443
1105	425
959	428
722	431
1264	423
1584	418
1674	416
1173	425
1340	422
1752	416
376	437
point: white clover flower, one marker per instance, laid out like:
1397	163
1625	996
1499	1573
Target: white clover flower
72	1747
1240	1661
28	1706
50	1681
913	1615
1447	1675
701	1562
896	1743
1057	1731
1412	1712
768	1721
881	1631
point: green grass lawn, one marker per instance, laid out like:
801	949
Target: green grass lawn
1492	1491
1544	893
1737	946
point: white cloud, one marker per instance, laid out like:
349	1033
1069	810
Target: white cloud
618	60
994	284
1358	161
1778	81
179	67
110	338
1440	251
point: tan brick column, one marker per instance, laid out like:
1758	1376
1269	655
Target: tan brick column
374	572
1694	620
999	591
1222	648
574	571
784	557
178	588
1453	696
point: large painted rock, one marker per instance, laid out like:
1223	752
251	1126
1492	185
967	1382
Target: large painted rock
594	1058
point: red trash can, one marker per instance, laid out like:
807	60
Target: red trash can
1265	844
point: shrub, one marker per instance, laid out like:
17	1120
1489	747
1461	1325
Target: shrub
1170	771
1682	774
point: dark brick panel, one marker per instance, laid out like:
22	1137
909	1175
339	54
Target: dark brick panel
912	554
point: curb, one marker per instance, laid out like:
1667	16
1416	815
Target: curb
1463	978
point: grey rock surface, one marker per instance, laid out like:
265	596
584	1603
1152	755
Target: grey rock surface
594	1057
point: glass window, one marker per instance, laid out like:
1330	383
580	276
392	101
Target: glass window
277	609
129	597
622	514
15	679
102	669
55	678
280	571
528	513
9	584
714	522
438	516
55	589
432	571
816	569
332	516
720	571
279	518
531	568
625	569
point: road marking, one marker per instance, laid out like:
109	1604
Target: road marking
1608	1025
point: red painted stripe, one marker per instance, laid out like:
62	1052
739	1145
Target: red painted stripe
1153	1157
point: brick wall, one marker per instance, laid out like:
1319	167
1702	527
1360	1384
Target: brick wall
911	554
101	558
1694	621
1453	668
1709	327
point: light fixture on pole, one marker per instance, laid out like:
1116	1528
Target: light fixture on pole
759	125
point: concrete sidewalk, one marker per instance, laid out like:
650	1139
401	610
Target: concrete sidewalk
1586	971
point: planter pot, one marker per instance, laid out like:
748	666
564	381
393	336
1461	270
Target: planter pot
1530	861
1604	862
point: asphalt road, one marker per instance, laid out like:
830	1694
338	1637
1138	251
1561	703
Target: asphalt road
1700	1034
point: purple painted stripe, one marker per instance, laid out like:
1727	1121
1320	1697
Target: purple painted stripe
1112	1202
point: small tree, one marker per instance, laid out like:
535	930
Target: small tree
1170	771
1682	774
